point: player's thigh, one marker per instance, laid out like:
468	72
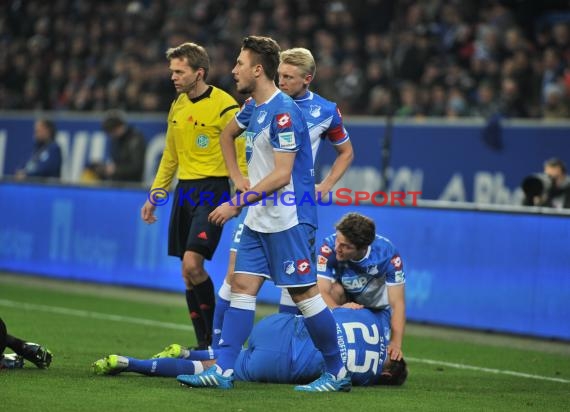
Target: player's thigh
292	256
251	257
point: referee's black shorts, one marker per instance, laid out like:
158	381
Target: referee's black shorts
189	228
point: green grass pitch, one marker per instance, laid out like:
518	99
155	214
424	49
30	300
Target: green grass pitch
450	370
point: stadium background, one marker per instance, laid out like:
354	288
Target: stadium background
477	93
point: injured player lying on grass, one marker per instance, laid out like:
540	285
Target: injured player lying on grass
280	350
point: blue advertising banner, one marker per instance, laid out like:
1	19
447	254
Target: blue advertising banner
453	161
488	270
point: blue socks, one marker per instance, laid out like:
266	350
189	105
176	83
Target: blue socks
238	323
169	367
322	328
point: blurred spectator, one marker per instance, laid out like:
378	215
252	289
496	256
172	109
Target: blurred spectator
486	103
511	102
456	104
437	102
408	106
555	105
127	154
380	103
46	156
94	56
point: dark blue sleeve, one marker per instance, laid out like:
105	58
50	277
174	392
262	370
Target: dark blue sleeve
48	163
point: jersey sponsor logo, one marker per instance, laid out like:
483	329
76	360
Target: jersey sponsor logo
372	270
283	120
326	250
396	261
202	141
261	116
315	110
249	138
303	266
286	140
354	284
322	263
289	267
399	276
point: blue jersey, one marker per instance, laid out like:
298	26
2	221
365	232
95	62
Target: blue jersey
281	350
365	280
322	116
323	119
46	161
278	125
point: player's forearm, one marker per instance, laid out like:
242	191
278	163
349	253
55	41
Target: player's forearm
339	167
325	288
230	155
398	325
268	185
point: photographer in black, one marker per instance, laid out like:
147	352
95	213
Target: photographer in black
550	188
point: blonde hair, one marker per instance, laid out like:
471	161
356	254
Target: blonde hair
301	58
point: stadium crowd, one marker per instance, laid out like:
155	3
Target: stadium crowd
412	58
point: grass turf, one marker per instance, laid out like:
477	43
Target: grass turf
81	323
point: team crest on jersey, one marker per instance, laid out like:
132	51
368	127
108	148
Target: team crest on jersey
315	110
202	141
326	250
372	270
303	266
396	261
289	267
261	116
286	140
283	120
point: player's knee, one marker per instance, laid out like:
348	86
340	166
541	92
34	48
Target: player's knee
193	271
241	284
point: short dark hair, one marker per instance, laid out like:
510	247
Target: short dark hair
112	120
395	374
50	125
556	162
266	51
360	230
196	56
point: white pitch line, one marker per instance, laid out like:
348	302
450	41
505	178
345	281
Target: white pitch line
177	326
488	370
93	315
